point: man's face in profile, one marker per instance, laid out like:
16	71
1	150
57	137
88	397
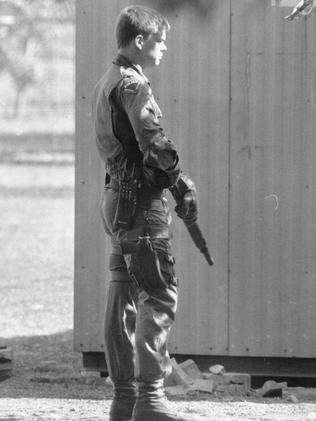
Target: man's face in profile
153	48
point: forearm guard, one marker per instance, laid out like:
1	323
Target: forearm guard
183	185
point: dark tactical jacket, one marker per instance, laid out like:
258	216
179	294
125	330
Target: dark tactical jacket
127	126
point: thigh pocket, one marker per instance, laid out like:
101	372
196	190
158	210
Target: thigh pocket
167	262
151	269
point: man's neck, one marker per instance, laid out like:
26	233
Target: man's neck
132	57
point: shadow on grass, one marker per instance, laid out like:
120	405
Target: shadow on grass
47	367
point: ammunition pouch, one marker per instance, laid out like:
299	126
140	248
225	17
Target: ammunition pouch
127	201
149	269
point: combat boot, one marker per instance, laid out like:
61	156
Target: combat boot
122	404
152	405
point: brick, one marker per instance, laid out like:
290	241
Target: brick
178	376
6	362
191	369
292	398
203	385
6	353
90	373
217	369
271	389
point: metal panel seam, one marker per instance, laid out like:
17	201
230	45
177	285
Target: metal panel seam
229	172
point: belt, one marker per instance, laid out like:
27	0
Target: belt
152	231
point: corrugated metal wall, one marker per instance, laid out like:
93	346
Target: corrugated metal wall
237	91
273	183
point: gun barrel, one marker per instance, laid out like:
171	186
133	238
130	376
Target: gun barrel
200	242
193	228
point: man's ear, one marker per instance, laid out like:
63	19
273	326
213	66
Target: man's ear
139	41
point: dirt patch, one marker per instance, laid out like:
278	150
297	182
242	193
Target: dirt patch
47	384
47	367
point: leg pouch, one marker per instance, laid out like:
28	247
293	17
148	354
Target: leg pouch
152	267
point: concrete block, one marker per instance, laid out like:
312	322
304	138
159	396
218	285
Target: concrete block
203	385
178	376
191	369
217	379
271	389
179	390
237	378
234	382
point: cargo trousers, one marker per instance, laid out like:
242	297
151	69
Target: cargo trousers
138	322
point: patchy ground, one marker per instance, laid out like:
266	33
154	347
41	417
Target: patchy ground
36	279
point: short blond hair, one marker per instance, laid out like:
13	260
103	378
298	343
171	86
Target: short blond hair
138	20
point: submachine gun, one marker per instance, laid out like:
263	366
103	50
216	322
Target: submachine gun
178	191
303	7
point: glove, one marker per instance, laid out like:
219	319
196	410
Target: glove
188	210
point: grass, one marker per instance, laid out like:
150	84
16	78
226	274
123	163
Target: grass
36	263
36	280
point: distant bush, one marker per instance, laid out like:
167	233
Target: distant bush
36	56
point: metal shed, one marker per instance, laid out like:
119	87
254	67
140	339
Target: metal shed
237	89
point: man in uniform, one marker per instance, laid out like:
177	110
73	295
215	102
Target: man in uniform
141	162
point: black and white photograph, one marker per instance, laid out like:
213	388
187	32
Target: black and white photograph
158	210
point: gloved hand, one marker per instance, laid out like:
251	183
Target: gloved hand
188	209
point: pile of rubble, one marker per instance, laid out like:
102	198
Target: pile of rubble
186	378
